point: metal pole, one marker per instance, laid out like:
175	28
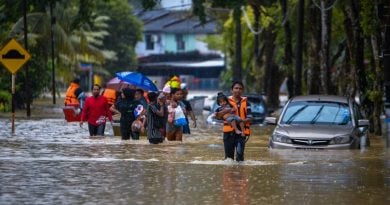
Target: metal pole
27	79
52	52
13	105
90	78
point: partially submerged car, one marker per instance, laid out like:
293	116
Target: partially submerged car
319	122
258	109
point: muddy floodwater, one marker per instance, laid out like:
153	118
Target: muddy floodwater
50	161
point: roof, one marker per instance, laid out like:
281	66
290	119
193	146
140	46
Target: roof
165	21
326	98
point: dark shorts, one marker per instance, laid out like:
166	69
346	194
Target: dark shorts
96	130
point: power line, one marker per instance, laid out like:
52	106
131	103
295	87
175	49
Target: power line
248	22
324	9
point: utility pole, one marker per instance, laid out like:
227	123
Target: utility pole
27	79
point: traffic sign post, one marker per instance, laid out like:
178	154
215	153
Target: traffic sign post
13	56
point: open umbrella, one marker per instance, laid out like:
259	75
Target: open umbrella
137	79
116	83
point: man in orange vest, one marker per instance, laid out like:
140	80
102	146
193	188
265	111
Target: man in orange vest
74	95
235	142
110	95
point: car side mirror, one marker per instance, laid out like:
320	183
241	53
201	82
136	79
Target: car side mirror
270	120
363	123
207	108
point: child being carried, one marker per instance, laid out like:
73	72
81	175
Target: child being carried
230	116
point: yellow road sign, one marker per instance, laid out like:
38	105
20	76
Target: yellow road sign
13	56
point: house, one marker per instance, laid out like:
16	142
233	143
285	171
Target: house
167	31
171	46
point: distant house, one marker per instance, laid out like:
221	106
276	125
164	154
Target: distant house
171	45
173	31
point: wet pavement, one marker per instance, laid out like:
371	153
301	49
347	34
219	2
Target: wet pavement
50	161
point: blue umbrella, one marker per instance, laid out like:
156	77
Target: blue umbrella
137	79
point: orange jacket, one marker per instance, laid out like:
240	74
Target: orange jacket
110	95
240	111
70	96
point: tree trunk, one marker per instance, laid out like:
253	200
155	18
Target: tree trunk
271	77
348	76
237	70
357	56
299	48
378	84
325	43
287	59
256	39
314	45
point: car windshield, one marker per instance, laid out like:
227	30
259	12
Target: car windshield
314	112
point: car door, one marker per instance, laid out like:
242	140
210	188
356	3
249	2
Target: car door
362	132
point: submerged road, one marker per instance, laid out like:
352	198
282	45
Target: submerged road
50	161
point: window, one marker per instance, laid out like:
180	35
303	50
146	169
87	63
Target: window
149	42
180	42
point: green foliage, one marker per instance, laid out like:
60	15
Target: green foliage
5	100
252	76
81	33
227	4
368	20
149	4
199	9
125	31
375	95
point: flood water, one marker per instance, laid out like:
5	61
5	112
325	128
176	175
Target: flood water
50	161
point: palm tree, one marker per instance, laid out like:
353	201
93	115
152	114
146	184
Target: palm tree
71	44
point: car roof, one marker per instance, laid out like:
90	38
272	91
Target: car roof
327	98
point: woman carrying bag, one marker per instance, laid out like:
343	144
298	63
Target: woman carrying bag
176	116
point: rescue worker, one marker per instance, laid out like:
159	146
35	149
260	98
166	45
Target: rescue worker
110	95
234	142
74	95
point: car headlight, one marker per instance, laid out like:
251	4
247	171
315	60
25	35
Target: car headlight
281	138
343	139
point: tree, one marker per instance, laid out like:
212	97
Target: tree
299	49
326	14
70	42
287	59
125	32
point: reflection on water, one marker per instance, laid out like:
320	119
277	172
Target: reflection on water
51	161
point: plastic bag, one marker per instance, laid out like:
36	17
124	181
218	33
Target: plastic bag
180	118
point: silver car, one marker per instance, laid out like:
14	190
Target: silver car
319	122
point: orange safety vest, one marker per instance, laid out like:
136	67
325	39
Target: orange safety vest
70	96
242	112
110	95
